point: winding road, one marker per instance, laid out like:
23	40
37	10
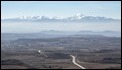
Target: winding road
73	60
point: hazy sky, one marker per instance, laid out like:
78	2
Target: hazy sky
12	9
31	27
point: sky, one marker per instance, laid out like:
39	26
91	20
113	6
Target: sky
33	28
13	9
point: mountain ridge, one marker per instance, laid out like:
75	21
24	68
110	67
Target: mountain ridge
79	18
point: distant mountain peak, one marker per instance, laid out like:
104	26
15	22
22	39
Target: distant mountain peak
78	18
80	15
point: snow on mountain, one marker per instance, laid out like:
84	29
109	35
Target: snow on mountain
73	19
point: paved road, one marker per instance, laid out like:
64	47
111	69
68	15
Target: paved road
73	60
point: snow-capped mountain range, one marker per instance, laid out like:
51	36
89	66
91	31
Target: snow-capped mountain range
79	18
